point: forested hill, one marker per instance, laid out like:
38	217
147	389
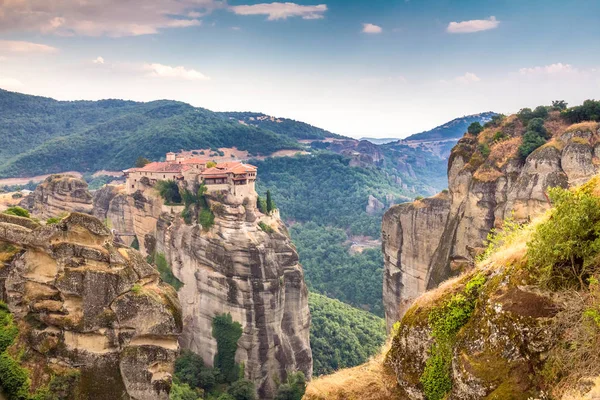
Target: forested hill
288	127
41	135
454	129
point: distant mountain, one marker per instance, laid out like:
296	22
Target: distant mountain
41	135
454	129
288	127
380	141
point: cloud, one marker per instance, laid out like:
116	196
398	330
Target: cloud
467	78
276	11
98	60
10	83
11	46
102	18
370	28
475	25
558	68
166	71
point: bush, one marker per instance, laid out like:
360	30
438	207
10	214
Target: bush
445	321
141	162
588	111
564	249
537	125
265	228
475	128
206	218
18	211
531	141
166	274
227	333
485	150
294	387
169	191
559	105
242	390
190	370
182	391
498	137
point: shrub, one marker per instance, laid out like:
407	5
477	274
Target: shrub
294	387
18	211
242	390
190	370
475	128
588	111
8	329
136	289
485	150
559	105
265	228
169	191
537	125
498	137
211	164
419	198
564	249
445	321
166	274
531	141
135	244
206	218
227	333
182	391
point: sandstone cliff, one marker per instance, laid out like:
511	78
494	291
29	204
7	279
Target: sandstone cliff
89	308
59	195
430	240
234	267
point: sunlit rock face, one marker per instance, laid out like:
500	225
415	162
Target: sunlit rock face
59	195
430	240
234	267
83	303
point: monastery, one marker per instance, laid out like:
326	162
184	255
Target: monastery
233	177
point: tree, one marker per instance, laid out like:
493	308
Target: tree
531	141
182	391
227	333
559	105
261	204
190	369
475	128
270	203
242	390
141	162
294	387
169	191
211	164
537	125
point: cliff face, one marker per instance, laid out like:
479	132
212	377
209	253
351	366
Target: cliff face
84	304
430	240
59	195
234	267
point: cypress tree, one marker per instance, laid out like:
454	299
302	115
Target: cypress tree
270	204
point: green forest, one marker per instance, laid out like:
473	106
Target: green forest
342	336
42	135
331	270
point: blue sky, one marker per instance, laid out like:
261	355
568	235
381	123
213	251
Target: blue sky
361	68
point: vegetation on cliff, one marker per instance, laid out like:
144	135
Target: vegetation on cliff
342	336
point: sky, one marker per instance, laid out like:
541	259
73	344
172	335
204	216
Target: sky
378	68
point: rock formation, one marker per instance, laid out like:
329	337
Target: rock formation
59	195
86	305
428	241
235	267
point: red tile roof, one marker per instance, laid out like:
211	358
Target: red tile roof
230	167
160	167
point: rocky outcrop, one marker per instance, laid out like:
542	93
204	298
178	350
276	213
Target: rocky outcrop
85	304
428	241
59	195
235	267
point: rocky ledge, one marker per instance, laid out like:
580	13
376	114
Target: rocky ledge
85	305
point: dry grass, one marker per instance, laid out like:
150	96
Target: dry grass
555	124
504	151
370	381
583	127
